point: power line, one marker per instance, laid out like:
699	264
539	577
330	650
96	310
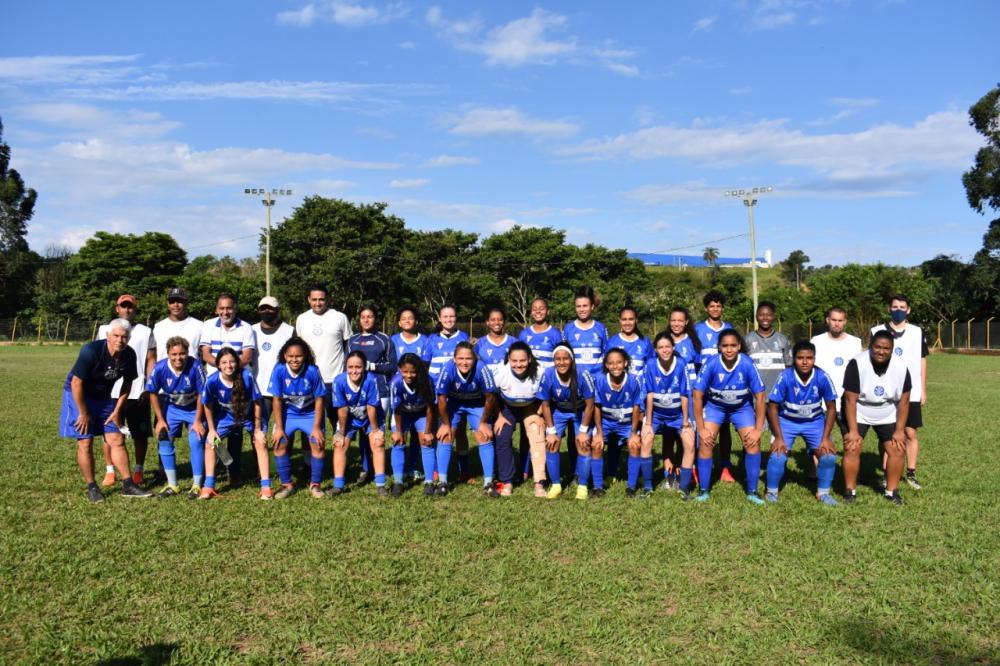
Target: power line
699	244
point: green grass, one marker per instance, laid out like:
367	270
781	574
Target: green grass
469	580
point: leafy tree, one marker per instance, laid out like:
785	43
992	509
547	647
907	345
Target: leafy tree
206	277
949	279
17	261
51	280
710	255
793	268
863	291
108	265
982	187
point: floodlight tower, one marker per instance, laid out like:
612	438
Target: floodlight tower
268	201
749	197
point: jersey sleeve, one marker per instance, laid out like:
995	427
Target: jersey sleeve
131	372
153	381
777	393
543	392
585	385
827	390
786	352
395	398
208	392
852	379
274	382
339	399
205	339
443	379
486	378
199	375
702	380
754	381
251	385
371	392
249	338
639	397
347	328
387	363
319	387
597	391
685	381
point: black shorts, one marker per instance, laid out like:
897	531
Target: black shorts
137	418
915	417
884	431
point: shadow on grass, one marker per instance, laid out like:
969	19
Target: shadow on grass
149	655
873	641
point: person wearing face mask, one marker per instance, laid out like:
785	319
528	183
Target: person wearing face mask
271	334
910	345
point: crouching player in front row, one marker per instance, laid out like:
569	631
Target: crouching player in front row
803	403
619	399
517	389
231	404
567	395
729	390
298	394
665	381
181	379
359	409
412	401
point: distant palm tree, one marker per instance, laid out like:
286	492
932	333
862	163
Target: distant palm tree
710	255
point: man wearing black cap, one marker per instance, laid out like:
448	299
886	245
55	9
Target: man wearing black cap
178	322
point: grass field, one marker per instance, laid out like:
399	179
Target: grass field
469	580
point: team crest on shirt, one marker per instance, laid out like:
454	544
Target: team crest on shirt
529	338
440	344
898	351
317	330
489	352
576	335
710	336
879	391
607	396
796	390
722	376
838	361
740	376
222	394
658	380
288	382
266	346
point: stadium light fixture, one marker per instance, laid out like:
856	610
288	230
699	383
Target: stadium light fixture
268	201
749	198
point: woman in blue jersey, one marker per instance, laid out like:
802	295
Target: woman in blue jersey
466	392
412	402
492	348
631	339
567	396
359	409
176	384
586	335
687	345
517	386
665	381
729	390
380	356
440	350
409	340
298	397
230	401
618	400
540	335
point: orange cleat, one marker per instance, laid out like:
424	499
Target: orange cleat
109	480
726	476
207	494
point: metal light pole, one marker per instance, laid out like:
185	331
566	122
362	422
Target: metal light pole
268	202
749	197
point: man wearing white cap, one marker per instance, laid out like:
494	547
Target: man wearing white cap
271	333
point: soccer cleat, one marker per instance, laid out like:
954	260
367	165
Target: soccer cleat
505	489
428	490
630	493
335	491
911	479
850	496
109	479
397	490
881	485
382	491
441	490
169	491
132	490
827	499
581	492
703	496
284	492
265	494
207	494
665	484
686	496
315	491
137	478
555	490
94	494
540	491
194	492
771	497
726	476
598	493
754	498
645	493
895	498
416	477
363	479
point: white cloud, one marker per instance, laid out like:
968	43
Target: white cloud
849	107
742	90
645	115
340	12
450	160
481	121
703	24
80	119
770	21
68	69
408	183
525	40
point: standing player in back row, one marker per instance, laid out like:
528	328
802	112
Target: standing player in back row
540	335
587	336
492	347
708	335
271	335
910	345
381	363
631	339
178	322
440	349
326	331
769	349
833	350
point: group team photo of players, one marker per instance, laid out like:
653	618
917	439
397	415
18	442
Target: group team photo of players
408	401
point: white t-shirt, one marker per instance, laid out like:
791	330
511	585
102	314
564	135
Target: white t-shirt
265	355
516	392
215	336
141	340
880	394
326	334
189	329
908	345
833	355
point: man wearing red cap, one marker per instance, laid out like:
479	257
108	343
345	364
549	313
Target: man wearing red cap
137	407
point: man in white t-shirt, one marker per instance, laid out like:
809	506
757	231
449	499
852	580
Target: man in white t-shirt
271	334
226	330
911	346
327	331
178	323
137	407
834	349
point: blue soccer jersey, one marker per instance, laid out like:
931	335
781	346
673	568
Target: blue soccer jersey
473	388
685	351
297	392
558	394
709	338
439	350
357	399
493	354
417	346
667	389
640	351
616	405
803	401
729	389
219	398
380	355
402	398
542	343
588	345
180	390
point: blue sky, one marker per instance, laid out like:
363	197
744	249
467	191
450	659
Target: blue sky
621	123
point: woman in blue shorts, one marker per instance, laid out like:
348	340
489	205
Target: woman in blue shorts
412	400
729	391
665	381
298	397
359	409
567	395
619	399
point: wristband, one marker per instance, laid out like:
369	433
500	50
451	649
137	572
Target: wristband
584	430
551	431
